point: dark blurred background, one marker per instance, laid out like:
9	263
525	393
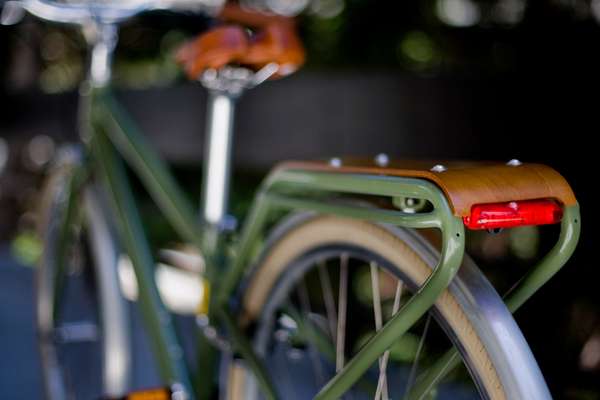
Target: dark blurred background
485	79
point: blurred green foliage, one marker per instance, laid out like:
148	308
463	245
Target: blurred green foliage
425	37
26	247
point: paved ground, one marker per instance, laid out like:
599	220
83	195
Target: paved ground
20	372
20	375
19	361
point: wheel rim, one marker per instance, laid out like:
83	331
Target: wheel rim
71	338
284	342
85	349
489	337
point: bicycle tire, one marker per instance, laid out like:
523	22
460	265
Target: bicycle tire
489	341
115	357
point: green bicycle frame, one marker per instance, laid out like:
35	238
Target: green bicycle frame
111	137
114	135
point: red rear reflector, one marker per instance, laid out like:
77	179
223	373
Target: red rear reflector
514	213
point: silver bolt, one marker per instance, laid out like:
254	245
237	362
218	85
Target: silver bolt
210	332
439	168
382	160
202	321
295	354
223	345
335	162
178	392
241	73
514	162
210	74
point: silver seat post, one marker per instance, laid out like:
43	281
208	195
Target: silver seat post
217	157
225	87
103	40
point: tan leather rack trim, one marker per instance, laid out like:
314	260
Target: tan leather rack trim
464	183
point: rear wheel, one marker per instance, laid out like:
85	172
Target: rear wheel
327	284
81	316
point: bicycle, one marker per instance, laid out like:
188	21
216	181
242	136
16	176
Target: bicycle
315	228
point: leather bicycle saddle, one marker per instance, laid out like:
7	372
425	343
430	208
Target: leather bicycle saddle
274	40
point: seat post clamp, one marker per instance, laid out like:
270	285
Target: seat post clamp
233	81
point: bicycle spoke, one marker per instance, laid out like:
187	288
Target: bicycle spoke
306	310
413	370
328	299
378	323
386	356
342	305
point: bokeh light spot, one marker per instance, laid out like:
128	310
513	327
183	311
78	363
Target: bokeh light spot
459	13
419	49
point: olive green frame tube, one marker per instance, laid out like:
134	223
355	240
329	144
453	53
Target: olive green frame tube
244	347
538	276
556	258
303	190
75	180
283	190
299	190
415	308
158	321
111	120
147	164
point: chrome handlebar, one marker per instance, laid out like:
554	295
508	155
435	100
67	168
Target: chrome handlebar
103	12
